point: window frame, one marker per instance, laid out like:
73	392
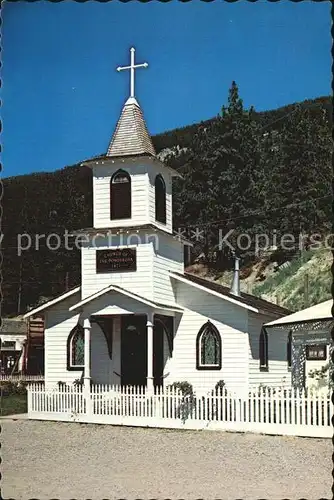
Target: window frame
113	183
75	330
289	350
202	331
263	366
161	191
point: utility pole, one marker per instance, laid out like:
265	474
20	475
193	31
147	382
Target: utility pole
23	217
66	281
20	288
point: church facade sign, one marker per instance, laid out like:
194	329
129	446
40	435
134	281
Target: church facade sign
116	260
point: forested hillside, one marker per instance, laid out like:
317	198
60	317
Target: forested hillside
267	172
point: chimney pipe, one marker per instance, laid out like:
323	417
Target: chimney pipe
235	288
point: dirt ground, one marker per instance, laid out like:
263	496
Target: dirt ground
65	461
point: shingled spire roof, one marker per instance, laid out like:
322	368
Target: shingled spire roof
131	136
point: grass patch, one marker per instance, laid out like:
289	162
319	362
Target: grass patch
13	404
289	282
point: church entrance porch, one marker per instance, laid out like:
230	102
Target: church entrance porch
139	346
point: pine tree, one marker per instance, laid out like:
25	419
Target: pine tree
297	174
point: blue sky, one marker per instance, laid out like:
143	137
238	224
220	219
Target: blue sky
62	94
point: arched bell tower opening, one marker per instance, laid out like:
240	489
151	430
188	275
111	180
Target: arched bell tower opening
160	199
120	195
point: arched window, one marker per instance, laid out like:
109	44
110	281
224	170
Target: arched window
263	350
160	199
76	349
120	196
288	349
208	348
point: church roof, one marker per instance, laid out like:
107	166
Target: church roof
128	293
260	305
142	227
131	136
52	302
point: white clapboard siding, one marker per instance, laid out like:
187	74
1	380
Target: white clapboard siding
19	339
58	324
278	373
231	322
153	171
168	256
101	194
140	281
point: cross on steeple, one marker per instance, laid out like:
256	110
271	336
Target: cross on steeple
132	68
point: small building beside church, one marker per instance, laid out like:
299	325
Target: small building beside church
137	318
22	346
13	335
310	345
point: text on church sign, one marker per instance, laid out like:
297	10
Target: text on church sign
315	352
115	261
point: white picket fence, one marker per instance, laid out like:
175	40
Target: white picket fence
267	411
21	378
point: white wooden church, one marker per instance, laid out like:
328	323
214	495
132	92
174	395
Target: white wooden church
138	318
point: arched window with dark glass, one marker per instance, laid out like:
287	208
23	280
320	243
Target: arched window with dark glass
76	349
263	349
160	199
208	348
120	195
289	349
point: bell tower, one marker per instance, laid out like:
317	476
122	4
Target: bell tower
132	202
131	186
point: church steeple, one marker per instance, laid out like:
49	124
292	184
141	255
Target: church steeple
131	136
132	187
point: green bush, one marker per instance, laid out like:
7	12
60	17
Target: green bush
220	388
9	388
13	404
78	382
184	387
61	384
188	402
21	387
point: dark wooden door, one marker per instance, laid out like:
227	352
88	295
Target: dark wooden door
133	351
158	353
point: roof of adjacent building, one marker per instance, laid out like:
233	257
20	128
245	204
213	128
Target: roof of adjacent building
13	326
317	312
243	298
131	136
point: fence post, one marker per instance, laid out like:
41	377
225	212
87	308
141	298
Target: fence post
87	398
29	399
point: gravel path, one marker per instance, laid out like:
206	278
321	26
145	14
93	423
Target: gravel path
47	460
